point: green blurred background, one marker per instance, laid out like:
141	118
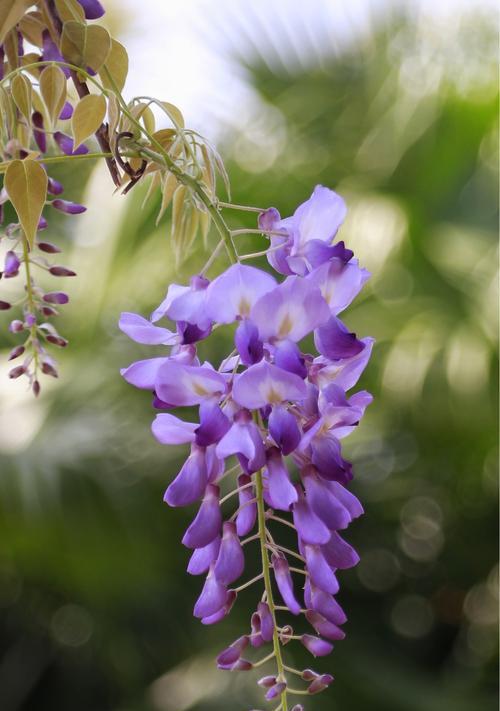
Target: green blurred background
401	118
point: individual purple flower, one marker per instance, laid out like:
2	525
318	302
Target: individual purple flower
290	311
234	293
265	384
230	561
245	440
202	558
284	429
247	509
248	343
185	304
317	646
207	523
282	493
11	265
190	483
310	527
180	384
284	583
70	208
212	598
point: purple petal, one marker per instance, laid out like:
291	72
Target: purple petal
284	429
291	310
207	523
320	572
213	424
339	283
70	208
319	217
338	553
317	646
323	502
266	621
38	132
333	340
181	384
50	52
186	303
284	583
324	603
311	529
66	111
212	598
265	384
327	458
282	493
246	340
351	503
230	561
189	486
143	373
243	438
222	612
235	292
287	356
245	520
323	626
232	653
92	8
317	252
141	330
169	429
202	558
65	143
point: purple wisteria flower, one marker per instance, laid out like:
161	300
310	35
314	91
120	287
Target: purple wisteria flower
272	415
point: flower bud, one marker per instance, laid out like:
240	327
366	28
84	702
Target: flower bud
65	143
42	224
56	297
49	369
61	271
317	646
49	311
285	634
267	681
5	306
48	247
276	690
57	340
320	683
231	654
30	320
54	187
16	352
11	264
16	326
17	371
36	388
38	132
70	208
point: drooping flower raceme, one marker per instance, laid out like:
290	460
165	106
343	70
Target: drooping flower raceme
271	417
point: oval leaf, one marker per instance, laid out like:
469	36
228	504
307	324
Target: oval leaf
53	89
87	117
85	45
70	10
116	65
22	91
26	186
10	14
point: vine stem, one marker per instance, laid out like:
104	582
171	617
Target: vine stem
261	516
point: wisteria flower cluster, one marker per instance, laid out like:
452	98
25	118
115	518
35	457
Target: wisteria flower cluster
272	416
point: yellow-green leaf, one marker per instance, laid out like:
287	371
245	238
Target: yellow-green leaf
53	89
174	113
26	186
32	27
70	10
11	12
87	117
22	91
117	66
85	45
168	188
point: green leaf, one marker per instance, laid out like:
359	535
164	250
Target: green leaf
117	66
87	117
22	92
168	188
26	186
85	45
53	90
11	12
70	10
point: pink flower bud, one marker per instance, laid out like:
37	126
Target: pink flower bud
16	326
17	371
5	306
36	388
